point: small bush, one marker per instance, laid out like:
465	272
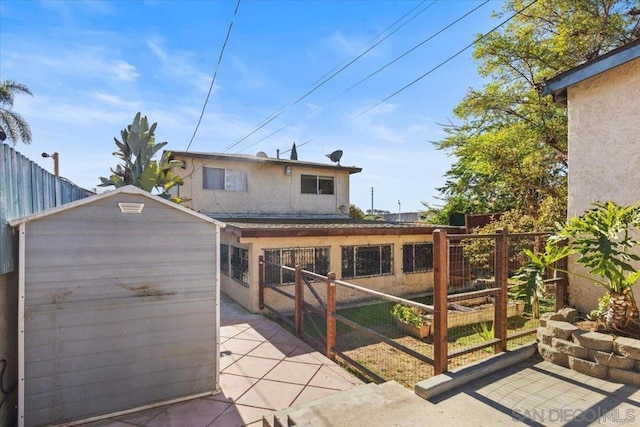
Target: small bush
407	314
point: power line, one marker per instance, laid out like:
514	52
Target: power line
215	73
446	27
408	85
332	73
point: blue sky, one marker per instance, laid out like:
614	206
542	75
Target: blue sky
92	65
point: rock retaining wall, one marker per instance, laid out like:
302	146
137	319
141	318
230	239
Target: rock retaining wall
592	353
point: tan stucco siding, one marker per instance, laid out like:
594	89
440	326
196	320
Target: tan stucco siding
604	151
398	283
269	190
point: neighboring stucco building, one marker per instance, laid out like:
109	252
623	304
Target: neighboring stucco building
603	101
227	186
295	212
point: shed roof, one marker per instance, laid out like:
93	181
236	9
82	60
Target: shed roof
266	160
129	189
557	86
331	227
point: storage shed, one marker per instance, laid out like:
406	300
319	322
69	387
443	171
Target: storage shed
118	307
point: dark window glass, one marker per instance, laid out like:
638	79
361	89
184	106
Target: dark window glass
315	260
240	265
360	261
417	257
309	184
224	259
325	185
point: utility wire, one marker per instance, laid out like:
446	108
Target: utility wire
215	73
370	75
332	73
408	85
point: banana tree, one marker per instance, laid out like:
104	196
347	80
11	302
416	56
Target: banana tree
137	167
531	276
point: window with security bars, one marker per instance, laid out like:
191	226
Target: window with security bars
315	259
224	259
417	257
240	265
314	184
371	260
224	179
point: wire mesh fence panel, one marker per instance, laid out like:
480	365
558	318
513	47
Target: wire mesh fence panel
522	326
371	335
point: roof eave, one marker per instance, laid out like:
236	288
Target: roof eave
557	86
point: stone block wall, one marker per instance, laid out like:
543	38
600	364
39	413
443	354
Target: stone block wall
592	353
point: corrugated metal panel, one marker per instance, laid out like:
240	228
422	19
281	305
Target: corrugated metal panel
120	309
26	188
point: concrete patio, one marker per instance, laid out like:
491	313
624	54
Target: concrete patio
263	369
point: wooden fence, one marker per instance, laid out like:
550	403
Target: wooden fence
320	316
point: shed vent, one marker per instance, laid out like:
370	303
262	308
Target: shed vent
129	208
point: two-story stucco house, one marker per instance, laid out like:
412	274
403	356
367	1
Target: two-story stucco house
602	97
296	212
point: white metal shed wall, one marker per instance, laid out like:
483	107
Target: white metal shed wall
119	309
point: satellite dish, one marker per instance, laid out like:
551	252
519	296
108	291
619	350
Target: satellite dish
335	156
262	154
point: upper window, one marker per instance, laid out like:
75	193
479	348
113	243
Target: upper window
417	257
315	260
314	184
372	260
224	179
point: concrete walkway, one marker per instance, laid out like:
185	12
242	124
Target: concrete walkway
263	369
538	393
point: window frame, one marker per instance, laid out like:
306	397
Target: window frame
230	180
239	265
353	261
320	182
293	257
409	264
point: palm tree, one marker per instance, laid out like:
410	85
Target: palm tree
12	125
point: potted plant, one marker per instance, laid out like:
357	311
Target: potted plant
410	320
602	239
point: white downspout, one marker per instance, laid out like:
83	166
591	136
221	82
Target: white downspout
21	294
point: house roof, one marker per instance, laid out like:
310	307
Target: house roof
266	160
557	86
330	227
129	189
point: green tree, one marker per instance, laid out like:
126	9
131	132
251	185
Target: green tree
12	125
137	167
511	144
355	212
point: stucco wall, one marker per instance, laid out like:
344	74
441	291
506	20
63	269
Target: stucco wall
9	347
604	151
269	190
398	283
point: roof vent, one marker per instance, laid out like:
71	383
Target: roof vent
130	208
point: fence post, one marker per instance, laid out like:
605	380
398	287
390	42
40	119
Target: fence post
440	270
261	282
500	303
331	319
299	301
